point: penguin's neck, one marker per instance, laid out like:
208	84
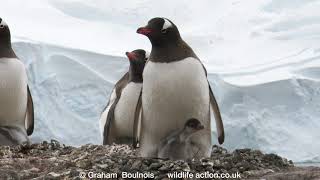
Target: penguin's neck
135	75
6	50
171	52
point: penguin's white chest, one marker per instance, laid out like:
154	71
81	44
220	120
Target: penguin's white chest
173	93
125	109
13	92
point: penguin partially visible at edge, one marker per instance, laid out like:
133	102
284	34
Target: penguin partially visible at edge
11	136
116	121
177	146
16	104
175	88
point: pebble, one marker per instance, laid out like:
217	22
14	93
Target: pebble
66	162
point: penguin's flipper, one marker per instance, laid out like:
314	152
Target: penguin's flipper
217	116
113	101
137	117
29	118
107	125
216	112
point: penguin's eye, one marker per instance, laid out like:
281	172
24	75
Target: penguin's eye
1	26
164	31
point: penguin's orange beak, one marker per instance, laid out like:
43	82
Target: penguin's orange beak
144	30
131	56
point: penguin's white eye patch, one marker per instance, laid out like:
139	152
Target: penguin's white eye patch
2	24
167	24
147	54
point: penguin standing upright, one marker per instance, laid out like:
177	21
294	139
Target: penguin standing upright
175	88
116	121
16	105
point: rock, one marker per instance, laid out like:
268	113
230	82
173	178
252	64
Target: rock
102	166
53	175
84	164
185	167
136	165
258	173
166	166
154	166
296	173
34	169
9	174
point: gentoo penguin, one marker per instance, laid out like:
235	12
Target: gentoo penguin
116	121
16	105
177	145
175	88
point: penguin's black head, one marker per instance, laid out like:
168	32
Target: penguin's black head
160	31
5	40
138	59
138	56
193	124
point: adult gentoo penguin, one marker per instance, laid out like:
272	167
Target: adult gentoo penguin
175	88
116	121
16	105
177	145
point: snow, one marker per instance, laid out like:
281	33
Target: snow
280	117
70	89
262	57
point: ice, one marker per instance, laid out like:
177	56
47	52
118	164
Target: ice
280	116
263	60
70	89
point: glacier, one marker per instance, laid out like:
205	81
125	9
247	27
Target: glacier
262	57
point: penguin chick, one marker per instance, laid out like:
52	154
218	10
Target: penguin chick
177	146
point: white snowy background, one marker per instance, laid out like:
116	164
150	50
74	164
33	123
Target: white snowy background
263	59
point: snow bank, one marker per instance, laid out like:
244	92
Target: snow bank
70	89
280	116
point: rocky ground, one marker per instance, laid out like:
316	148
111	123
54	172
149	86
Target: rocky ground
51	160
